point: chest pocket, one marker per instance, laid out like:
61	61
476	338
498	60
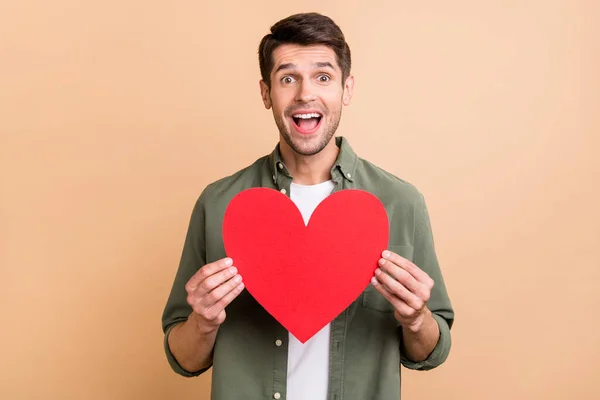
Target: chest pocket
371	298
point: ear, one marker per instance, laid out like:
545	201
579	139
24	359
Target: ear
348	90
264	92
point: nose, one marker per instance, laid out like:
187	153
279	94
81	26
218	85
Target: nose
306	92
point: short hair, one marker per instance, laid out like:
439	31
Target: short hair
304	29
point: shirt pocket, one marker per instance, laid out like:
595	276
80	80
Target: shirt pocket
371	298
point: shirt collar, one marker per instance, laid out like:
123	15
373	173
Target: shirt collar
344	166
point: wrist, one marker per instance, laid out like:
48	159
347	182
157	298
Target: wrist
420	322
201	326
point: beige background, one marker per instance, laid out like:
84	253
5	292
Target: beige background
114	115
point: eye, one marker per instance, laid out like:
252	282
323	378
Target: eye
287	79
324	78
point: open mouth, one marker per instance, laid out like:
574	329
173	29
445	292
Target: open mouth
307	122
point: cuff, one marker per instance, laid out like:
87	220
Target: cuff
439	353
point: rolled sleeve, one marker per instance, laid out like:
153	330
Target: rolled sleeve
177	368
438	355
439	303
193	257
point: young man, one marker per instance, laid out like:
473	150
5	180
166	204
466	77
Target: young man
403	318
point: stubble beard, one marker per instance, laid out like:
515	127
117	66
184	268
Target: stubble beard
315	145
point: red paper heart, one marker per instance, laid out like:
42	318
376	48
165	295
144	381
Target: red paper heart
305	275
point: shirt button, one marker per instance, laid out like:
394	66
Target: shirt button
279	165
283	191
277	395
278	343
348	175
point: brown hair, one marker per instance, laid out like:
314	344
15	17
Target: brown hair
304	29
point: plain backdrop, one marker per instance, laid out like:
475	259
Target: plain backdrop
114	115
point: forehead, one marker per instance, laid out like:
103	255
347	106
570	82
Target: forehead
303	56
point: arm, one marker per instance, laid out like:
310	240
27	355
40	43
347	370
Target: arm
408	289
420	299
192	347
210	290
196	305
419	340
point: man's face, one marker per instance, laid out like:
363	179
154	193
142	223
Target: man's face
306	94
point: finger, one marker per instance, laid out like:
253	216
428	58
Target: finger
398	290
395	301
214	281
227	299
206	271
401	275
420	275
213	296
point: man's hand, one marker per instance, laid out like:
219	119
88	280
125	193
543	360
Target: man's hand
210	290
406	287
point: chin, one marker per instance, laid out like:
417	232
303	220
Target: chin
306	142
307	145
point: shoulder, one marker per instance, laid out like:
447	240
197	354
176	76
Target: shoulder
228	186
385	184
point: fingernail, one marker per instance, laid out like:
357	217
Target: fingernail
381	262
378	271
228	262
237	279
233	270
386	254
374	281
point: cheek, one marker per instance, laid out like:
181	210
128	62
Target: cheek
333	94
278	110
279	105
334	102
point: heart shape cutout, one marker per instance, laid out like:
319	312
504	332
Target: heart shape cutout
305	275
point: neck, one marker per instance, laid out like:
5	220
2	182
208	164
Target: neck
310	170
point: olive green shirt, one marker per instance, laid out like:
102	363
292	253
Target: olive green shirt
366	351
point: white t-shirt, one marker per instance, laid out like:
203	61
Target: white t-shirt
308	363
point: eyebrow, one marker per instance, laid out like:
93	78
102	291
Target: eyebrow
325	64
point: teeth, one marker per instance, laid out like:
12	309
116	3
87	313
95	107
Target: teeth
307	116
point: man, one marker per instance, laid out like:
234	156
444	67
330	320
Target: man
403	318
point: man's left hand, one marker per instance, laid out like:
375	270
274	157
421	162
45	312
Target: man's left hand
406	287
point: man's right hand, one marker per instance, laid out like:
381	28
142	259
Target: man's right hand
210	290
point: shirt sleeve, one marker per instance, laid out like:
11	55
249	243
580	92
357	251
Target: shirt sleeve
439	303
193	257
